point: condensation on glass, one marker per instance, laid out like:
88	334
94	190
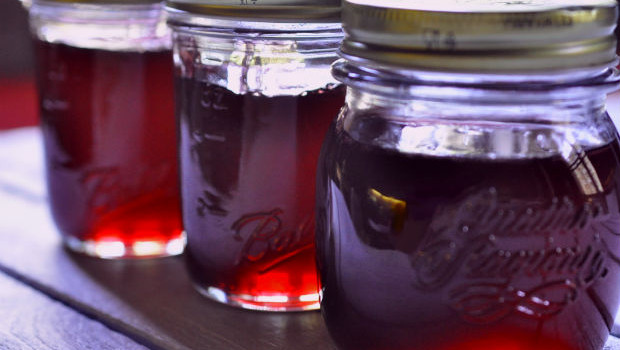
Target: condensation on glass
104	74
254	99
468	193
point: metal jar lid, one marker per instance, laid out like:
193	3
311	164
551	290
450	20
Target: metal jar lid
101	2
506	36
262	10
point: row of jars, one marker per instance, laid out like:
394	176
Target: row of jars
466	196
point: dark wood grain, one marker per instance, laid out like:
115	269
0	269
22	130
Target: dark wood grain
31	320
150	300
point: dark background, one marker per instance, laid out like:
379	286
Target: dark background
18	106
15	47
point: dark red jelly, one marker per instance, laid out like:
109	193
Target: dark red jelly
248	166
110	149
446	253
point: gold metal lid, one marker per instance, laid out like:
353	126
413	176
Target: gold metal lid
483	36
262	10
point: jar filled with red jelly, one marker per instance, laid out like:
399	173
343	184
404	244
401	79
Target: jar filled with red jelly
255	98
468	194
104	75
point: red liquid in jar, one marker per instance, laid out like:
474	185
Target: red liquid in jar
110	149
248	174
443	253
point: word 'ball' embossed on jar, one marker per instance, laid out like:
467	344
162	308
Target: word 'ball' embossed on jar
104	74
255	98
468	193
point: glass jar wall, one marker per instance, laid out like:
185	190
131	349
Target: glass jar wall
107	114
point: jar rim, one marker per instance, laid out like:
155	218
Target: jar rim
265	11
388	81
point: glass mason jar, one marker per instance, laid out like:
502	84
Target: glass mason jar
104	71
254	99
468	194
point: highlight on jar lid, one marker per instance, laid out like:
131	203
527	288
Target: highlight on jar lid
481	36
262	10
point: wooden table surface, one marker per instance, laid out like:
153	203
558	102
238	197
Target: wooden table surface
53	299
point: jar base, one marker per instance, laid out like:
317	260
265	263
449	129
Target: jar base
273	303
134	249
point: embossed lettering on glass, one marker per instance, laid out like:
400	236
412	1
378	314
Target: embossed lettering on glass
255	98
468	193
107	115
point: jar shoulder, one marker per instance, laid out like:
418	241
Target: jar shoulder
491	131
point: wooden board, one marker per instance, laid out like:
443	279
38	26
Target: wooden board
31	320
